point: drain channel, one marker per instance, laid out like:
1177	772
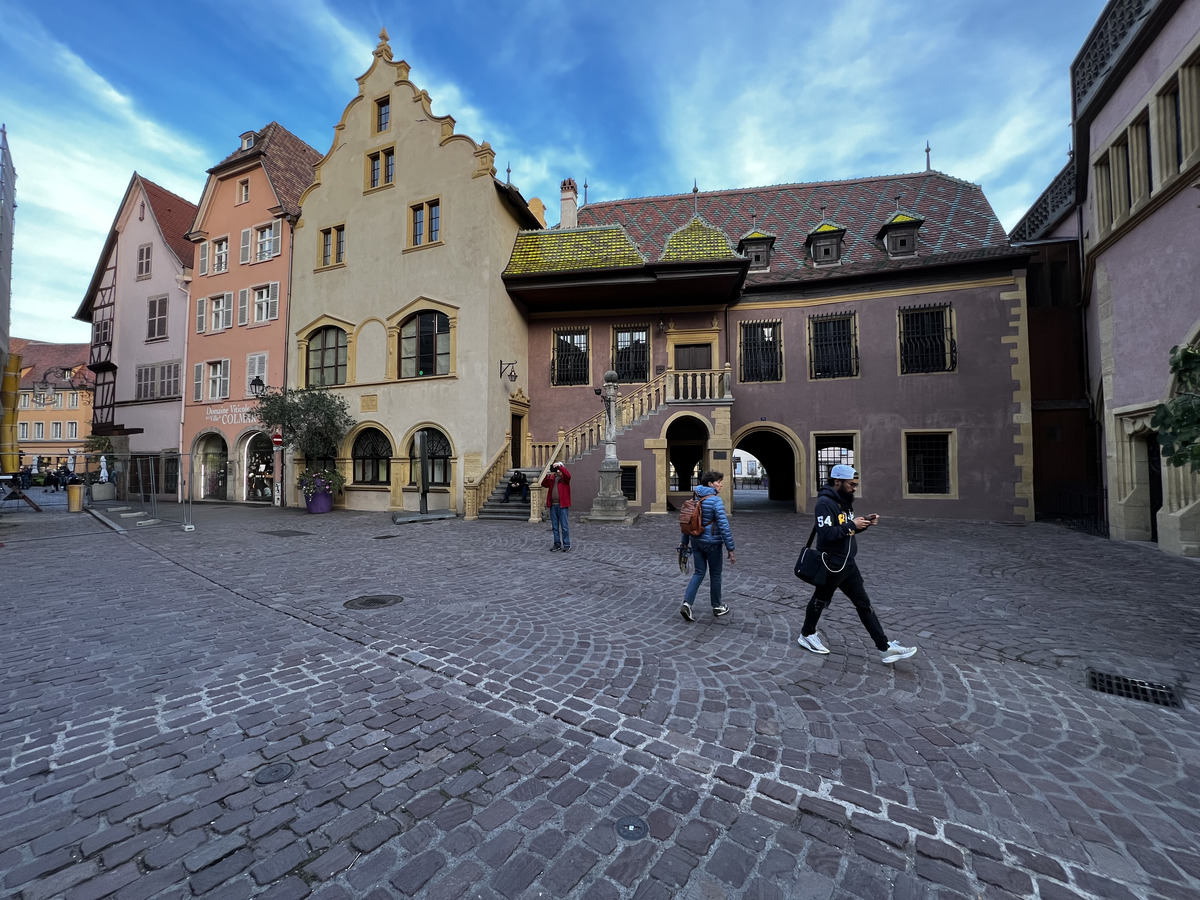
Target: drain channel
1146	691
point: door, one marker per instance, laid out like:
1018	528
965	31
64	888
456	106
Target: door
518	439
1154	471
693	356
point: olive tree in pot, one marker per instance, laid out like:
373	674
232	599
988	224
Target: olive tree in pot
312	421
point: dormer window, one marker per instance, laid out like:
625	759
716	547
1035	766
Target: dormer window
899	234
825	243
756	246
248	140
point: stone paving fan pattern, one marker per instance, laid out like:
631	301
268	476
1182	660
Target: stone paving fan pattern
483	737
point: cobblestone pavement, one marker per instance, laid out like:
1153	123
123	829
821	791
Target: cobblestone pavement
481	738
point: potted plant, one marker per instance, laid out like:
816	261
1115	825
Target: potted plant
312	421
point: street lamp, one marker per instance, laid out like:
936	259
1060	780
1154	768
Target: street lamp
510	369
258	387
44	390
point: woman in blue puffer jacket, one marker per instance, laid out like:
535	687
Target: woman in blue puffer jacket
706	547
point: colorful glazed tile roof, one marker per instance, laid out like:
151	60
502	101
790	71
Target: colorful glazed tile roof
573	250
958	221
697	241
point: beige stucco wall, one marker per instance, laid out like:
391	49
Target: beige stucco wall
383	280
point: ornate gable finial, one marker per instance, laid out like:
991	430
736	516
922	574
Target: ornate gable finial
383	48
695	199
927	156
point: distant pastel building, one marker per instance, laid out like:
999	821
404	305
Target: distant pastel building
1115	241
54	403
8	206
237	328
137	305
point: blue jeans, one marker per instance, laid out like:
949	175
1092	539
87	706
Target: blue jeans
706	556
558	521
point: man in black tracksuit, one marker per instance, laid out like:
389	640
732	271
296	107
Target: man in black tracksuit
837	528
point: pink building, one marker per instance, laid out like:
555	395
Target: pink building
237	336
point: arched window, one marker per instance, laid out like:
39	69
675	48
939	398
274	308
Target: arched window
437	449
425	345
372	457
327	357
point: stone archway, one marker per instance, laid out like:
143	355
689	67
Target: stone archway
210	468
687	441
782	457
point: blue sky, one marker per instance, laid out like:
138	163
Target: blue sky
638	98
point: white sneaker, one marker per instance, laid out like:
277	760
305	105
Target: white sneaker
896	652
812	642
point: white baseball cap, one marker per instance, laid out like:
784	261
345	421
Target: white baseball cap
843	473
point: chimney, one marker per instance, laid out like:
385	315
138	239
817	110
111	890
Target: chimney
569	217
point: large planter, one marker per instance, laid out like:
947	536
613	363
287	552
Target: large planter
320	502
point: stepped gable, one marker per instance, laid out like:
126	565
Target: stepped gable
958	221
288	161
174	215
573	250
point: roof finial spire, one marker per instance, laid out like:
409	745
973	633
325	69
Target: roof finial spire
753	218
508	174
585	190
926	156
695	199
897	198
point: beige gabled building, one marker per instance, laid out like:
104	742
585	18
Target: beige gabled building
397	299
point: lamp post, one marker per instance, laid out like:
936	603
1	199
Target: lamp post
258	388
610	504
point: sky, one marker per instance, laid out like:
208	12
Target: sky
635	98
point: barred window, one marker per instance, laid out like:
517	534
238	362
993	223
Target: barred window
927	340
425	345
832	450
327	357
569	364
629	482
437	451
927	462
631	354
761	352
372	454
833	346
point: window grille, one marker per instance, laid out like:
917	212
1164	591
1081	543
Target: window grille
928	463
372	455
327	357
425	345
927	340
437	449
569	364
833	346
762	352
832	450
629	482
631	354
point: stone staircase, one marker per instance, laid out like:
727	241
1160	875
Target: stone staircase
516	509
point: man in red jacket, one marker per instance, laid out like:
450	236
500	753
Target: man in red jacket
558	500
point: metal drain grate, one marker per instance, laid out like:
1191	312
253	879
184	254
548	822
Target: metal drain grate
287	532
631	828
1146	691
373	601
274	773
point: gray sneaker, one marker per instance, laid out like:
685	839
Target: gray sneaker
686	612
812	642
896	652
721	610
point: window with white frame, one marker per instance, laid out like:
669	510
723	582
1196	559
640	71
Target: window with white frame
220	257
56	431
146	379
143	262
39	430
72	430
218	379
23	403
156	318
256	365
243	191
73	400
267	240
58	401
266	302
222	311
22	431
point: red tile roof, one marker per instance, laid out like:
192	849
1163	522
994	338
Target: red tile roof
959	221
174	215
38	356
287	159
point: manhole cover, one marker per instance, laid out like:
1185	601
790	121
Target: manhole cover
632	828
275	772
287	532
1146	691
373	601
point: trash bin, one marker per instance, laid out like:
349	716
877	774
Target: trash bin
74	498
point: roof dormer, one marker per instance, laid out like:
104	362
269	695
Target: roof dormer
249	139
825	243
899	234
756	246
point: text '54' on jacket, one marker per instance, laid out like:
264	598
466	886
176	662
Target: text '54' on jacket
835	526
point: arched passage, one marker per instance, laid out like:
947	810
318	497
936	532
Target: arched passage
781	456
687	438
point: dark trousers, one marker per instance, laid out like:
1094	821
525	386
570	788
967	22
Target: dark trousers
851	584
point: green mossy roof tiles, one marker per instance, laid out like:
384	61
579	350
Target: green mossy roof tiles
573	250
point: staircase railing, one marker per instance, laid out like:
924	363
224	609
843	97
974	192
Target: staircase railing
476	488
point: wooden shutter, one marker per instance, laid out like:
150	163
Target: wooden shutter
198	382
242	313
200	315
245	245
276	237
204	258
227	312
273	301
224	379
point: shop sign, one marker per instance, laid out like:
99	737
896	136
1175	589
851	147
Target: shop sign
232	414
